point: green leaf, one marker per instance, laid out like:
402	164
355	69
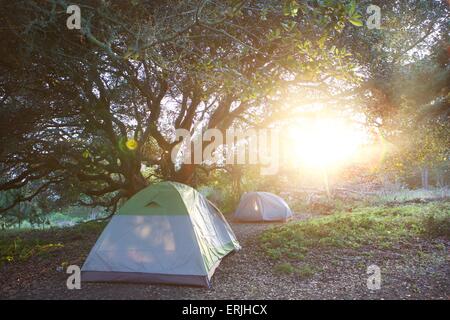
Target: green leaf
290	8
355	22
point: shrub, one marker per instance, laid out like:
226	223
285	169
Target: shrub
437	222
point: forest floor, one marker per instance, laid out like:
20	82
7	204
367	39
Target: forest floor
414	269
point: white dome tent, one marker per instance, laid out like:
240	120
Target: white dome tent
262	206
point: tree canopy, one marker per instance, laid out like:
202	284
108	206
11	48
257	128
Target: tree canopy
95	110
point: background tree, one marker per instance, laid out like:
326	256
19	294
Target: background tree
91	107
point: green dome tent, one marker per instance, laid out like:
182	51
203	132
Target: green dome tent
166	233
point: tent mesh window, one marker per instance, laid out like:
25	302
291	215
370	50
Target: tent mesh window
152	204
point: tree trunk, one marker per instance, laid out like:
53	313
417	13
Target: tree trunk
185	174
236	173
440	183
326	183
425	184
136	182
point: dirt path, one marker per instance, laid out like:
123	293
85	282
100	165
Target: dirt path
248	274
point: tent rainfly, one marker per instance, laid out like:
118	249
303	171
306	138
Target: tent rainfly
262	206
166	233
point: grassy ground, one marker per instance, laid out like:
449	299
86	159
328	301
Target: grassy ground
20	245
311	257
373	228
347	202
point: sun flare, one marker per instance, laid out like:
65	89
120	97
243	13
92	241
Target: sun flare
325	142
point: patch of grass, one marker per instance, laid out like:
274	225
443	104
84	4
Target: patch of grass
440	247
369	226
422	255
285	268
305	271
274	253
437	223
405	195
324	206
22	250
21	245
347	202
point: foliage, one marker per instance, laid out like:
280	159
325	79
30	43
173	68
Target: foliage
369	226
95	110
419	128
406	94
96	105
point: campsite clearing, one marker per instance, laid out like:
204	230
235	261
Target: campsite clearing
416	269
